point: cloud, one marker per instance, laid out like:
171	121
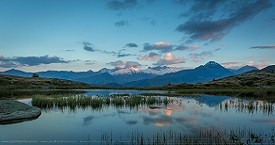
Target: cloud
88	46
131	45
152	56
239	64
169	59
263	47
117	54
203	9
29	61
69	50
159	46
207	29
90	62
116	5
2	58
121	23
197	57
149	20
123	54
188	47
125	64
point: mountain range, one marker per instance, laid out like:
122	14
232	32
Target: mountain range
153	76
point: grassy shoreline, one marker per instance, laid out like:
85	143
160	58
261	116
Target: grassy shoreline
267	94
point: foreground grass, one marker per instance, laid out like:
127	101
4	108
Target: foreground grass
202	136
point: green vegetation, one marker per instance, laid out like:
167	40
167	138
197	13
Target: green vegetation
259	85
247	107
76	101
35	82
199	137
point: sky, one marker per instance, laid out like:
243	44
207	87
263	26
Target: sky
82	35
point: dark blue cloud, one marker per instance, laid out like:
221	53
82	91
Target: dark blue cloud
263	47
121	23
123	55
116	5
131	45
203	27
88	46
159	46
30	61
37	60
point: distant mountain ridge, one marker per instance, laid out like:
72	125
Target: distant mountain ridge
152	76
204	73
245	69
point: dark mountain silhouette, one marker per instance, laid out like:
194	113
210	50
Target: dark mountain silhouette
127	78
204	73
245	69
107	78
15	72
270	69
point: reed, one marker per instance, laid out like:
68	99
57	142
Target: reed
96	102
250	107
201	136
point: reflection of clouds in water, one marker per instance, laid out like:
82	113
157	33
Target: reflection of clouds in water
171	108
131	122
151	112
198	111
87	120
265	121
159	121
185	121
168	112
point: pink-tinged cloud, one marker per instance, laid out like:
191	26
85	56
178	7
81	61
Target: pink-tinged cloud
152	56
170	59
239	64
160	46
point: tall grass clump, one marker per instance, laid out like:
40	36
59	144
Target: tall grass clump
96	102
202	136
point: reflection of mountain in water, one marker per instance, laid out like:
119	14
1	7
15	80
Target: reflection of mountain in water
211	101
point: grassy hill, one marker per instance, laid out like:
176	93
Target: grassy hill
254	79
13	82
254	84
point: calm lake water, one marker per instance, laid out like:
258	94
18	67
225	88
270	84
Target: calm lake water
184	114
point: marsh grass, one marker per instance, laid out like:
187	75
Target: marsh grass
248	107
202	136
96	102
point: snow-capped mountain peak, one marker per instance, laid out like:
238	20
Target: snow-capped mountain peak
212	63
160	70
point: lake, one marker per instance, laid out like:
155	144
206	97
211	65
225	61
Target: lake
193	116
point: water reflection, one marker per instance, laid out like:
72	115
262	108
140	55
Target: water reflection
87	120
247	106
147	118
114	92
159	121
